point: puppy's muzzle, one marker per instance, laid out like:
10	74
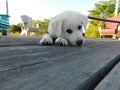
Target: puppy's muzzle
79	42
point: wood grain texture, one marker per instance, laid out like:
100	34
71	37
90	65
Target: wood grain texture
112	80
25	65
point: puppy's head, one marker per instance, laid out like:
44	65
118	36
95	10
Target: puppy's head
70	25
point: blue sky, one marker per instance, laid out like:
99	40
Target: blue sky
41	9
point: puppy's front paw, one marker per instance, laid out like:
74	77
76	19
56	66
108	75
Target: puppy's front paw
46	40
61	41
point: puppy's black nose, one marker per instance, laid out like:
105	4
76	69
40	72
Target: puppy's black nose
79	42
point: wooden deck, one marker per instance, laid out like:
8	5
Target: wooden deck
25	65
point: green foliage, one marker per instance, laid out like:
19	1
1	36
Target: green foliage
118	33
103	9
15	28
92	32
43	25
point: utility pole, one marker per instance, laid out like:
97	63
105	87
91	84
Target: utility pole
116	7
7	12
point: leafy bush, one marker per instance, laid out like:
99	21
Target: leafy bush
15	28
92	32
43	25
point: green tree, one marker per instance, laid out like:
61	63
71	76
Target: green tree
103	9
92	32
43	25
15	28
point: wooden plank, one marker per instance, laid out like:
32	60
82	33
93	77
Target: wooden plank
6	41
35	67
111	81
96	78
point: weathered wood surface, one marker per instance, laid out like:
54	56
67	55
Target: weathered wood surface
111	81
25	65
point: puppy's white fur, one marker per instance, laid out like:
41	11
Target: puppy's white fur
72	21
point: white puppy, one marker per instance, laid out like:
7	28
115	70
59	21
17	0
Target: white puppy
66	28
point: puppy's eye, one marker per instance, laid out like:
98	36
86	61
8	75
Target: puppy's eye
69	31
79	27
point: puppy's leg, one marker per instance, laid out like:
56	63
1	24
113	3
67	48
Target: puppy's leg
22	32
61	41
46	40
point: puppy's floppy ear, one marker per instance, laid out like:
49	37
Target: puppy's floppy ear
84	21
57	26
